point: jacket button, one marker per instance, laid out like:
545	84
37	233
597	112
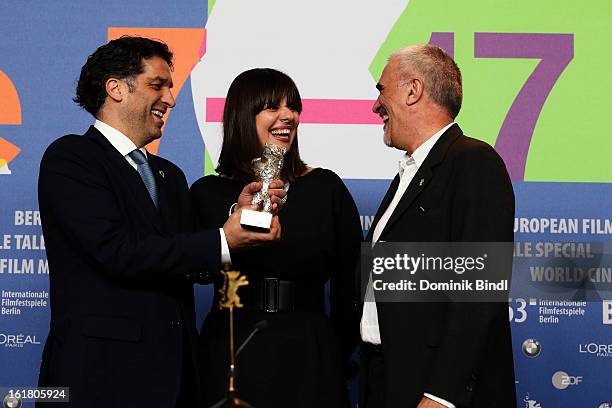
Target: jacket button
469	388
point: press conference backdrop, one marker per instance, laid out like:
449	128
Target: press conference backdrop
537	85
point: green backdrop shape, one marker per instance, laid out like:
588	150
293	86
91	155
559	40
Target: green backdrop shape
570	142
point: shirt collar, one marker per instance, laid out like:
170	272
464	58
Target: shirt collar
119	141
420	154
405	162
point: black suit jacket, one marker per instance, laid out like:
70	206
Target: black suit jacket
460	352
122	306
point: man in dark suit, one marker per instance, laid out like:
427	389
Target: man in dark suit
122	253
451	188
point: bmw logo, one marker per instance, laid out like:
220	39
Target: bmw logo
11	402
531	348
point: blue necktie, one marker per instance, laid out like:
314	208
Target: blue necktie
142	165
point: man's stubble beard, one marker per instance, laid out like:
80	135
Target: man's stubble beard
387	139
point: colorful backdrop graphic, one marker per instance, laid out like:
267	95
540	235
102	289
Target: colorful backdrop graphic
10	114
537	86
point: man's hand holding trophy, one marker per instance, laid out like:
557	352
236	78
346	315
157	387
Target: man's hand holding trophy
267	169
259	202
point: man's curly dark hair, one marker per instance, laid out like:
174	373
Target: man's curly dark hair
122	59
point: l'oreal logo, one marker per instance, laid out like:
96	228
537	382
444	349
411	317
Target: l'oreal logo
17	340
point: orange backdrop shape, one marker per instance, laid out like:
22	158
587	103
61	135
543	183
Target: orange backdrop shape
183	42
8	151
10	114
10	108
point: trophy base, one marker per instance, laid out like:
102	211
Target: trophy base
232	401
256	220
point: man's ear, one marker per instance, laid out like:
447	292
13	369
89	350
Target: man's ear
414	91
116	89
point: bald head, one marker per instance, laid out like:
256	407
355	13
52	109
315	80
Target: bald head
440	74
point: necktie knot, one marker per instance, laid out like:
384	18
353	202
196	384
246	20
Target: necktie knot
138	156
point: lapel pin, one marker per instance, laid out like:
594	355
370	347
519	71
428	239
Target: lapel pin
421	182
161	173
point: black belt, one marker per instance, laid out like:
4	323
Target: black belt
273	295
372	349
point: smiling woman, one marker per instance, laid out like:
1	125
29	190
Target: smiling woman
277	124
300	359
262	105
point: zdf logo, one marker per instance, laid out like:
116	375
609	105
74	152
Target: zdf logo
561	380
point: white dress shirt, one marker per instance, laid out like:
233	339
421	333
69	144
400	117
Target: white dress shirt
125	146
408	166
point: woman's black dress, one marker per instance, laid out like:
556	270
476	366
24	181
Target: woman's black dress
299	359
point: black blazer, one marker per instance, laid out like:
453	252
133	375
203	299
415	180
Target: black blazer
460	352
122	305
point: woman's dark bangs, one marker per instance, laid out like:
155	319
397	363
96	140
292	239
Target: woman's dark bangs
277	87
293	99
286	88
